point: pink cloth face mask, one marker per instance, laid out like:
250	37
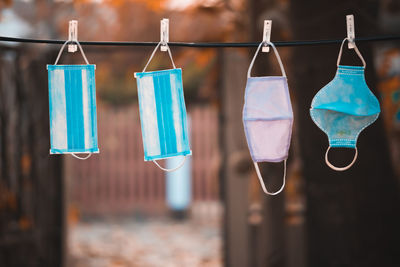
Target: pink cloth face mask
268	118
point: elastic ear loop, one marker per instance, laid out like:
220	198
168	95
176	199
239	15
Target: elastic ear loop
87	62
173	169
62	49
276	54
154	52
262	181
82	158
355	48
339	168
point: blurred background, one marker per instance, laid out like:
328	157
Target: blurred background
114	209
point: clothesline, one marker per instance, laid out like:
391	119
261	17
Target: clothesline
192	44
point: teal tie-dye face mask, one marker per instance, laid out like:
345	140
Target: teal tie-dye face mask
345	107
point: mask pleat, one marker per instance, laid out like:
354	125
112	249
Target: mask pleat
75	126
92	107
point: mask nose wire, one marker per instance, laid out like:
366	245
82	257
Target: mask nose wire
339	168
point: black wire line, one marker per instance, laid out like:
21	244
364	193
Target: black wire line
216	45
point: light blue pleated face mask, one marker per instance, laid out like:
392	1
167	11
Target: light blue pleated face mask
163	113
345	107
72	103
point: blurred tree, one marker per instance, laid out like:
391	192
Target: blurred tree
31	182
352	216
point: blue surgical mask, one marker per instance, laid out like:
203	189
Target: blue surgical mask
163	114
345	107
72	103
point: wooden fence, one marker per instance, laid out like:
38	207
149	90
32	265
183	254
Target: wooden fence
118	181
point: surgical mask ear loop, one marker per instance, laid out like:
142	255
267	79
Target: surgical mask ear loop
87	62
173	169
144	69
276	55
339	168
355	48
263	184
62	49
154	52
81	158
